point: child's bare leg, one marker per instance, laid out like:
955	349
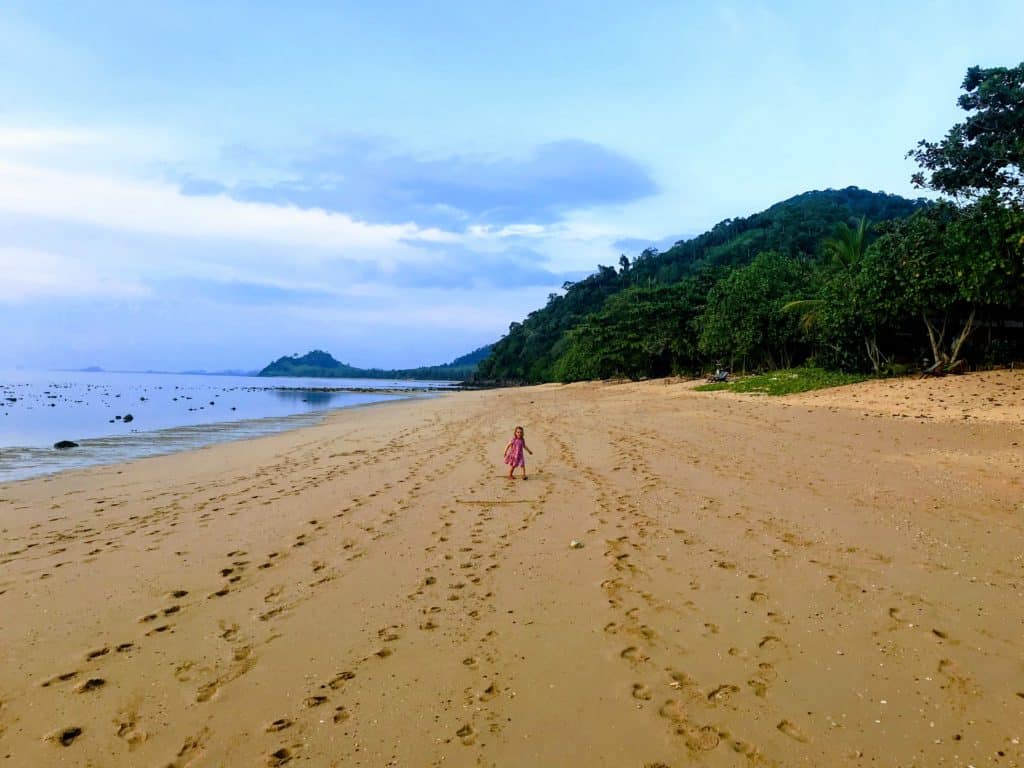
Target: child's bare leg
524	471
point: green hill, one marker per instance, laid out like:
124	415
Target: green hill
663	294
319	364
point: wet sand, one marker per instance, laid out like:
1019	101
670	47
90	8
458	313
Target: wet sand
833	578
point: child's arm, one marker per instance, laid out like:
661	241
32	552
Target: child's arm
508	447
527	449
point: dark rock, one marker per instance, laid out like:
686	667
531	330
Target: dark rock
64	444
128	417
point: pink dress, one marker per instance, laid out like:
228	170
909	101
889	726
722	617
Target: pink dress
514	458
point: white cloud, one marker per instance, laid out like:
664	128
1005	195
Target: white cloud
23	139
160	209
32	274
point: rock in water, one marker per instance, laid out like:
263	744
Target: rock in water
64	444
128	417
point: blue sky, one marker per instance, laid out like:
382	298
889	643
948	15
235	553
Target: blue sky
197	184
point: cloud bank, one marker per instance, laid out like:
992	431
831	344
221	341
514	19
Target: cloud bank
372	180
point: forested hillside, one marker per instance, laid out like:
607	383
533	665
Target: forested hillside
647	329
848	279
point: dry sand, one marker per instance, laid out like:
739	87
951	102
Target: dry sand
770	582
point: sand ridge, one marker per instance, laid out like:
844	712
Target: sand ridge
762	582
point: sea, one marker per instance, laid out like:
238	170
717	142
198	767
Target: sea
116	417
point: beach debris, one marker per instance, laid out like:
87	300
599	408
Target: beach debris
62	445
574	544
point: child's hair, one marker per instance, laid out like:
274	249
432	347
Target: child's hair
518	429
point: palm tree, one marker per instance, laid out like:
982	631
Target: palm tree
845	249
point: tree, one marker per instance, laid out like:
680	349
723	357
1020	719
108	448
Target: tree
640	332
845	251
845	248
946	265
984	154
744	318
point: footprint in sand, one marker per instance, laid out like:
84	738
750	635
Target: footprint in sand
722	693
641	691
491	691
280	757
128	731
702	739
92	684
790	729
62	678
66	736
633	654
278	725
338	680
466	734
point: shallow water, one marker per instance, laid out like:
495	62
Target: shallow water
169	412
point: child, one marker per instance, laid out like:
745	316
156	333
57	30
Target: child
514	452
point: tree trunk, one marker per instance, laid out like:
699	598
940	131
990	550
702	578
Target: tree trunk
968	327
937	338
936	341
874	354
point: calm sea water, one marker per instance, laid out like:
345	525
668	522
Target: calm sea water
169	412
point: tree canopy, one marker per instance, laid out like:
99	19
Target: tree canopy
983	155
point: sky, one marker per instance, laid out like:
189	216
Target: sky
216	184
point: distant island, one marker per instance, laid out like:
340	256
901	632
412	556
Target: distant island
320	364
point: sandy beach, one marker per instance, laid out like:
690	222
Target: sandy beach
828	579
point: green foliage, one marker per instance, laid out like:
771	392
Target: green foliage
540	349
529	351
786	382
946	264
983	155
924	283
845	248
744	319
639	332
